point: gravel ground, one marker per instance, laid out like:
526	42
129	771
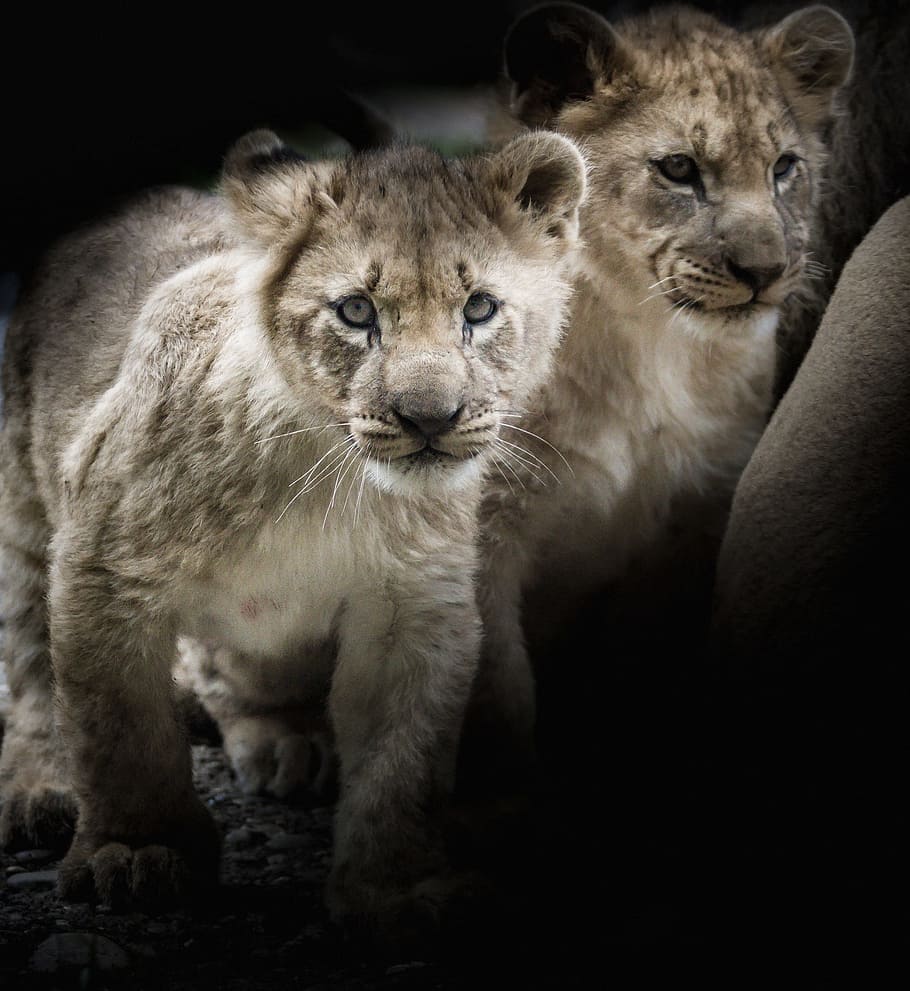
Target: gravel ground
573	889
267	927
657	844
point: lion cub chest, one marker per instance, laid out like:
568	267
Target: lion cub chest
281	591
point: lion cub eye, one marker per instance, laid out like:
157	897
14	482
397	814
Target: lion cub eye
357	311
480	308
678	168
784	166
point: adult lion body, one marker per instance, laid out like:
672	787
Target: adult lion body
184	384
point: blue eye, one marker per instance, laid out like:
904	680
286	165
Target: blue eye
480	308
357	312
784	166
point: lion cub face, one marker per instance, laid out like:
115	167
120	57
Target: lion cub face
705	145
414	301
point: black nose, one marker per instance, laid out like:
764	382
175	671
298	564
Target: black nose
756	277
428	426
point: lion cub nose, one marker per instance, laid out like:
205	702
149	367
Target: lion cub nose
428	423
756	277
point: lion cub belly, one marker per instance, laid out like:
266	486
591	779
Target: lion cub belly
270	599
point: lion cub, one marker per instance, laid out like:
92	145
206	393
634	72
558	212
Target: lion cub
707	148
264	417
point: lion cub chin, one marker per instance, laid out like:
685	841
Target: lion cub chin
263	418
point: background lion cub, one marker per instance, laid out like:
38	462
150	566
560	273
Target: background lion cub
707	148
264	417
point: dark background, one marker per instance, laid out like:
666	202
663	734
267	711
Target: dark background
99	105
670	799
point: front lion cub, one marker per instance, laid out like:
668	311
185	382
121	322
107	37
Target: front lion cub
264	416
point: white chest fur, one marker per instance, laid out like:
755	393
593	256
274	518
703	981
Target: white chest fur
646	411
282	590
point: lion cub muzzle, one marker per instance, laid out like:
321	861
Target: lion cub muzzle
432	412
749	261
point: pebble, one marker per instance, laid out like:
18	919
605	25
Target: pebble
243	837
31	858
37	880
288	841
401	968
78	949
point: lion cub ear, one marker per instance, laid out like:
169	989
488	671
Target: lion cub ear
544	175
812	51
558	53
268	186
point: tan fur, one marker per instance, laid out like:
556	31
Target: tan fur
196	443
664	380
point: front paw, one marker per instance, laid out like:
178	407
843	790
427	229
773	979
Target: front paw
400	919
38	802
37	817
153	871
268	758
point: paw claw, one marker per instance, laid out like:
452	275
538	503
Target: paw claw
147	875
112	870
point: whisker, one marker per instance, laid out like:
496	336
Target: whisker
687	305
328	470
534	459
339	477
348	495
509	457
530	433
657	295
363	478
312	468
302	430
498	465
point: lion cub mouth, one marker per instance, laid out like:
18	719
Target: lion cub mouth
743	310
429	455
407	445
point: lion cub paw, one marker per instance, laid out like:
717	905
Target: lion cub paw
38	801
405	919
37	817
270	759
147	875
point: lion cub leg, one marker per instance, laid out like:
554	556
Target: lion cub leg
284	751
38	802
397	701
142	836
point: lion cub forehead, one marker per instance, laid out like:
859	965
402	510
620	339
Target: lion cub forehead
410	188
408	257
718	132
398	274
704	89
